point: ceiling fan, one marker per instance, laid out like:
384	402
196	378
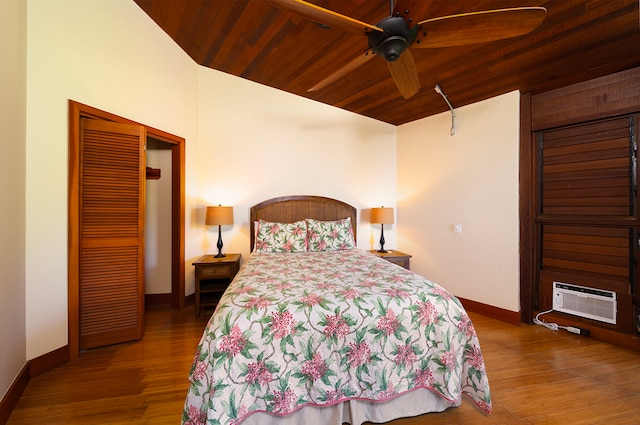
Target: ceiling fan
391	37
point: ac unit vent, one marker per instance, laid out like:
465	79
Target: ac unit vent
597	304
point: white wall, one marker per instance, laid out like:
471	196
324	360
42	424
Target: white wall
257	143
12	191
469	179
244	142
110	55
157	235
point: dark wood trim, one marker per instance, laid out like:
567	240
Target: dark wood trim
31	369
526	188
508	316
157	299
178	191
95	113
604	97
76	111
48	361
12	396
73	232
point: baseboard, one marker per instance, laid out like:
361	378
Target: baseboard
48	361
31	369
12	396
157	299
512	317
165	299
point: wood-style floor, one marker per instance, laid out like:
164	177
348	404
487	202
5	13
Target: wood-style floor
537	376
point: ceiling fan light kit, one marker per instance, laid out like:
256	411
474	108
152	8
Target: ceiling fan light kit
392	37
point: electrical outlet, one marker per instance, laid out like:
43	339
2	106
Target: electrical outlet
457	228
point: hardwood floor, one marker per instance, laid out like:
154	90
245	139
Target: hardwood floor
537	376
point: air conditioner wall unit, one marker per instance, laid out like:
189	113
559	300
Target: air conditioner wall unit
591	303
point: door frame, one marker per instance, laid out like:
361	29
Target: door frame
76	112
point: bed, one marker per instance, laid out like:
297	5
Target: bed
313	330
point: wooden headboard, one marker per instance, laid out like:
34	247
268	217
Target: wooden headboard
287	209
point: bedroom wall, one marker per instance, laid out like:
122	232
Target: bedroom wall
110	55
12	191
257	143
469	179
244	142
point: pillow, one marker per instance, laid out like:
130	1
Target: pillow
329	235
281	237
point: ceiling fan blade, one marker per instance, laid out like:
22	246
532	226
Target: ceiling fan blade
478	27
405	74
350	66
324	16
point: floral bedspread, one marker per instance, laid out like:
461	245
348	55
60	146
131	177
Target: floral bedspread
320	328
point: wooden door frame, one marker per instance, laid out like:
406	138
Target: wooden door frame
526	189
76	112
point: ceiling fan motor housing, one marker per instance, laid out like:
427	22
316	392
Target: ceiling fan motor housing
394	40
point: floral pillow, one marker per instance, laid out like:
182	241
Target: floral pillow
329	235
281	237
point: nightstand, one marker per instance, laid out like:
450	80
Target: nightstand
213	275
395	257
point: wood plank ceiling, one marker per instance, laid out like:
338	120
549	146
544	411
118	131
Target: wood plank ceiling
578	40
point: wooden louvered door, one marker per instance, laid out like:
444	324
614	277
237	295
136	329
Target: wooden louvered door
588	211
111	255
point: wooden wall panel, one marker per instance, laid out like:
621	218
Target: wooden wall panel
612	95
567	232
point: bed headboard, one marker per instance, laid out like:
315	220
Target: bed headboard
287	209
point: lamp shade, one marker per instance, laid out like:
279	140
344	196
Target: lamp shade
382	215
219	216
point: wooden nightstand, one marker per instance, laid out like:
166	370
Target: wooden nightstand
213	275
395	257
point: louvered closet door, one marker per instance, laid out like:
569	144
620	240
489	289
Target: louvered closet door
112	186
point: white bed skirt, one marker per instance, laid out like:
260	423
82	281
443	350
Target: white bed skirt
355	412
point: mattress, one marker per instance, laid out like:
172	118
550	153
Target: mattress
332	337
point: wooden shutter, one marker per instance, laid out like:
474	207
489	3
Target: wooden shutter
588	170
601	252
112	182
587	210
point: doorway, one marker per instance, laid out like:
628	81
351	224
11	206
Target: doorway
157	235
78	112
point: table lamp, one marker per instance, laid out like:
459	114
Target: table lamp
219	216
382	216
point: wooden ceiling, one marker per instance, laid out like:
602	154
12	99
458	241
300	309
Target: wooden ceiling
577	41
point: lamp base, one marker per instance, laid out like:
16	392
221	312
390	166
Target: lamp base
219	245
382	250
